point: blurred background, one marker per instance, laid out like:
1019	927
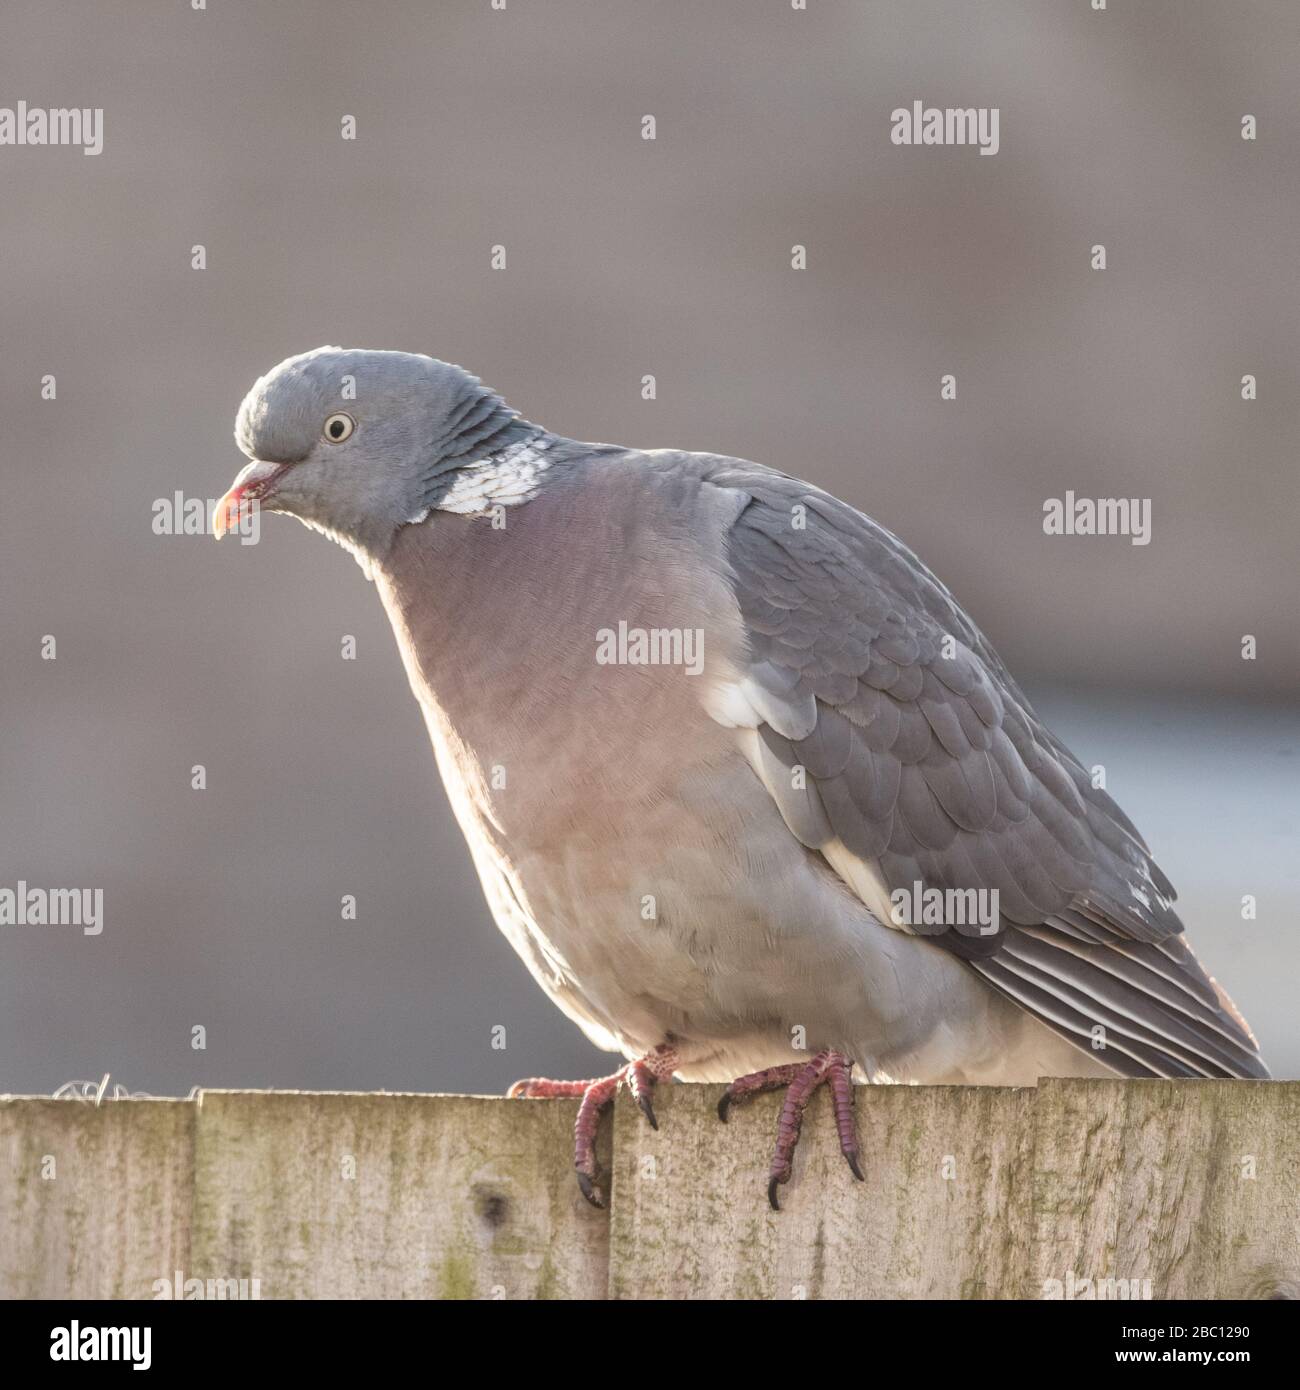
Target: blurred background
522	127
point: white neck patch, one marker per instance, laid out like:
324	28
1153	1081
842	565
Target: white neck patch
503	479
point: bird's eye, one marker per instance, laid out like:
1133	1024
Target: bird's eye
338	427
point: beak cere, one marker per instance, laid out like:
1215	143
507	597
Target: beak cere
254	483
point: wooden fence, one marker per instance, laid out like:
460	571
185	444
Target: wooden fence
1077	1189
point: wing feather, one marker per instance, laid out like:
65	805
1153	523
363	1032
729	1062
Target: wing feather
888	731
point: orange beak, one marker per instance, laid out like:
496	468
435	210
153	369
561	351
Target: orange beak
254	483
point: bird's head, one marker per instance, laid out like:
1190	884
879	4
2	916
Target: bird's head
357	443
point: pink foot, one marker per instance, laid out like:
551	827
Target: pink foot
801	1079
640	1076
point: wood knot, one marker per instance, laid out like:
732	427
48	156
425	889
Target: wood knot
493	1208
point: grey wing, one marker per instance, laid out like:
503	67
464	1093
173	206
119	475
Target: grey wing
898	746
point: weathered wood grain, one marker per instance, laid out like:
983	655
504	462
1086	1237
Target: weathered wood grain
94	1200
1078	1189
943	1213
1192	1186
393	1196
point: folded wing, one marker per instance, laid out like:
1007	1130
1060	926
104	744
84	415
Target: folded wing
897	745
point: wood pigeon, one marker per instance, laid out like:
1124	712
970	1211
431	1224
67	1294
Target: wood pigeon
747	790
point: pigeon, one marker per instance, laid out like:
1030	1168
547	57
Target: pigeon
748	791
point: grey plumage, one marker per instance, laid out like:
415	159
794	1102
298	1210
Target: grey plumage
852	733
933	768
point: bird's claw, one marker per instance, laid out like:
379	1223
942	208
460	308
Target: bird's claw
641	1080
587	1187
800	1081
597	1096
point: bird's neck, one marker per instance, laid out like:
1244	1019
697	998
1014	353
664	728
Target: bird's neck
479	422
486	447
509	475
488	457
